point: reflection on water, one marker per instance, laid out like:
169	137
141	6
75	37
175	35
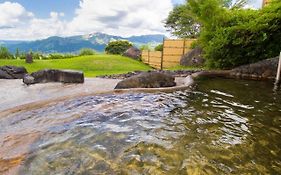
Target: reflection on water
223	127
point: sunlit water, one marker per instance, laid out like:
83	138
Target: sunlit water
222	127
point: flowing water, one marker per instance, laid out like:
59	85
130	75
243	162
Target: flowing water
221	127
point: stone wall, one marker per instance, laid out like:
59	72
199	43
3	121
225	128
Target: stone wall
265	69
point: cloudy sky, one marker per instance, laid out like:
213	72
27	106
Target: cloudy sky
36	19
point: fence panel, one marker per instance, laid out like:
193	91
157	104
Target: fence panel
145	57
173	50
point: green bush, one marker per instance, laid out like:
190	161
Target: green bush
248	37
145	47
230	35
159	47
233	37
54	56
5	54
87	51
118	47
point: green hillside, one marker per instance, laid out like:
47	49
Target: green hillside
91	65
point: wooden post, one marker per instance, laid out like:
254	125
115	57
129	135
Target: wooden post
184	42
162	54
278	70
148	57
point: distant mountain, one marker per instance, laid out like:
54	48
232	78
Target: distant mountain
5	42
97	41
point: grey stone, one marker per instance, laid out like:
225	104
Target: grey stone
53	75
265	69
29	58
133	52
28	79
193	58
12	72
147	80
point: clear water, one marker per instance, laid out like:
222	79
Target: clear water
222	127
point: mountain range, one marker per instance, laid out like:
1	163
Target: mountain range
96	41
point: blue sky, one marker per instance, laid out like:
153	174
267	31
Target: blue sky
35	19
42	8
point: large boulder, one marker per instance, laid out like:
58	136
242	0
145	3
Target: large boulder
147	80
53	75
12	72
193	58
133	52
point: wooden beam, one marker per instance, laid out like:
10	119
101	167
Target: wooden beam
162	55
278	70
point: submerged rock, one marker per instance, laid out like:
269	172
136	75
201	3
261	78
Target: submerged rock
12	72
147	80
53	75
133	52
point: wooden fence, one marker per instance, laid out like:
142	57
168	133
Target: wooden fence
172	52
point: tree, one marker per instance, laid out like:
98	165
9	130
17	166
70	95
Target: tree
145	47
5	54
184	21
181	23
233	37
87	51
17	54
159	47
118	47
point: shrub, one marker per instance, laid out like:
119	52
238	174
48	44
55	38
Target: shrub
233	37
145	47
37	56
5	54
87	51
117	47
55	56
159	47
249	36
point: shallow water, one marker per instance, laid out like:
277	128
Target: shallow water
222	127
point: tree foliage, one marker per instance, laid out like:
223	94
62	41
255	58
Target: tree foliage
234	36
117	47
5	54
86	51
159	47
181	23
145	47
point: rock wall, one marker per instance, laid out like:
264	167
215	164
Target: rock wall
265	69
12	72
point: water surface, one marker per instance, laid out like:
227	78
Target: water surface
222	127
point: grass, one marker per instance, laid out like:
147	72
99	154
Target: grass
92	66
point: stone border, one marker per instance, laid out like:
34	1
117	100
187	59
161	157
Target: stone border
44	103
188	82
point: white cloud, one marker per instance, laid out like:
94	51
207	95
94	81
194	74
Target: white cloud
18	23
12	14
118	17
122	17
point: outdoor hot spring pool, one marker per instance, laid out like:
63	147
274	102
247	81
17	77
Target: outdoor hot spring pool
221	127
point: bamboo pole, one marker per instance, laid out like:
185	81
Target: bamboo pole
162	55
148	57
278	70
184	45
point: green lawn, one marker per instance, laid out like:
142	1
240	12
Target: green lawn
92	66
